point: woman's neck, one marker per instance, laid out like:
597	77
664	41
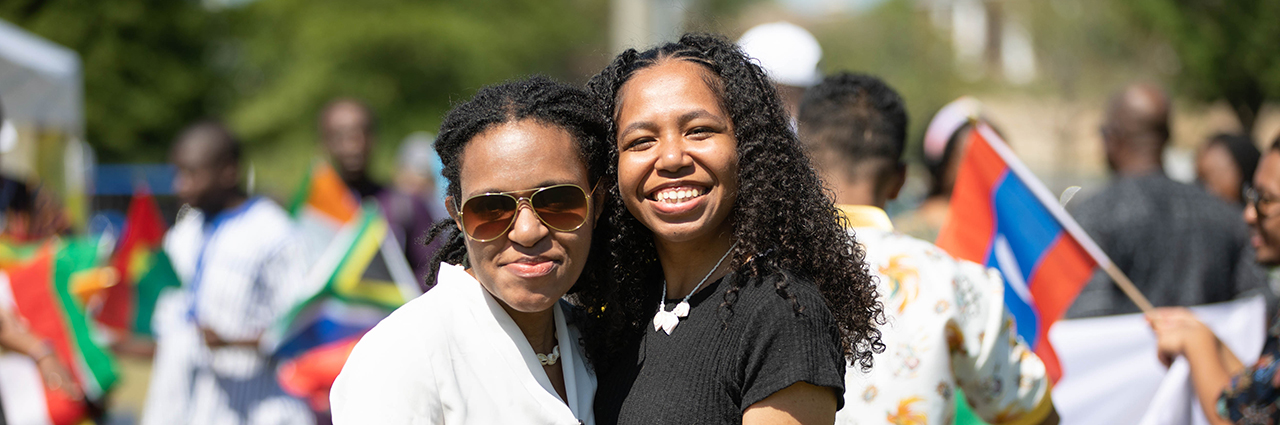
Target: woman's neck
538	327
685	264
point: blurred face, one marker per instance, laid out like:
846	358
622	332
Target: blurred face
677	156
201	181
1263	215
531	266
348	138
1217	171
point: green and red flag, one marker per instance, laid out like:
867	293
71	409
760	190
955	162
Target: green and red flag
43	291
142	267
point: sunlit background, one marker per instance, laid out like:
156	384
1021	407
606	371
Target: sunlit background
94	84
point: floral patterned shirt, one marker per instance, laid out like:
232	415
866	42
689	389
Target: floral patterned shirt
1253	397
947	328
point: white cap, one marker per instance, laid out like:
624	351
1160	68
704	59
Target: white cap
788	53
945	123
8	137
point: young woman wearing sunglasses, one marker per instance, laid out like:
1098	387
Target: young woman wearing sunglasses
739	295
491	342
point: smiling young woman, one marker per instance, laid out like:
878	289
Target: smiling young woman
708	170
492	342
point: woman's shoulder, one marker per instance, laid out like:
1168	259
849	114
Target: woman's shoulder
760	295
765	286
429	316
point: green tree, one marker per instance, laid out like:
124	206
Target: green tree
144	72
1227	48
409	60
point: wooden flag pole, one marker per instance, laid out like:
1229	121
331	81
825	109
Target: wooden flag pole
1118	276
1129	289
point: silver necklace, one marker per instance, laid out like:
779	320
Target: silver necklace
667	320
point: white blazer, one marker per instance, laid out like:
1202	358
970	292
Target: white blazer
454	356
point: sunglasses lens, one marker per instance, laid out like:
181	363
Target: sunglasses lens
487	216
563	208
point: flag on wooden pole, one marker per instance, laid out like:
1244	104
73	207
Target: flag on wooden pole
1003	216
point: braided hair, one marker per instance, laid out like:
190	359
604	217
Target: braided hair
808	241
546	102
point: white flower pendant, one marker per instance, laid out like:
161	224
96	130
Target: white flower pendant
667	320
681	310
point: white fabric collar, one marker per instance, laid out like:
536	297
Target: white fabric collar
516	349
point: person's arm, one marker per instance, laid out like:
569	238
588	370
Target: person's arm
792	366
800	403
1180	333
14	336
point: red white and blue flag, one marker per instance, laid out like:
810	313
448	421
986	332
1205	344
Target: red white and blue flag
1004	217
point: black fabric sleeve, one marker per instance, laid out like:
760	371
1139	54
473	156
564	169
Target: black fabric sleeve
781	347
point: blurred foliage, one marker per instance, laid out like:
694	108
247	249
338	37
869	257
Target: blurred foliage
267	67
1227	49
143	66
1088	48
409	60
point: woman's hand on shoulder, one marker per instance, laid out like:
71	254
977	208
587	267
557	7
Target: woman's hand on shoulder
800	403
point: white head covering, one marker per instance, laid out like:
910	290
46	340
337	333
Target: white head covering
945	123
788	53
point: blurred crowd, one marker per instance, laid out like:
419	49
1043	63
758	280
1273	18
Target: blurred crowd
243	269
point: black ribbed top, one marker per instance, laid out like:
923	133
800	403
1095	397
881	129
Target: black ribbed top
706	372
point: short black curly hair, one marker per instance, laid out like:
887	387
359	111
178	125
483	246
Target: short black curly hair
547	102
856	115
807	241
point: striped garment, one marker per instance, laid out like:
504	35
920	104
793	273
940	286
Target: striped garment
241	271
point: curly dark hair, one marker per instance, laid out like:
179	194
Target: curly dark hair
808	241
547	102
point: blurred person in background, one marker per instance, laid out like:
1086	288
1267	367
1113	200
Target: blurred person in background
939	309
1228	391
15	198
16	203
411	203
347	132
26	214
1225	164
945	141
347	129
1179	244
239	270
789	55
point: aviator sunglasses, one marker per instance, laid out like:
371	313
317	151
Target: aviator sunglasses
488	216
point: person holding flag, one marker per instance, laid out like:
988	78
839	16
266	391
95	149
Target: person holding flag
1228	392
239	267
938	308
